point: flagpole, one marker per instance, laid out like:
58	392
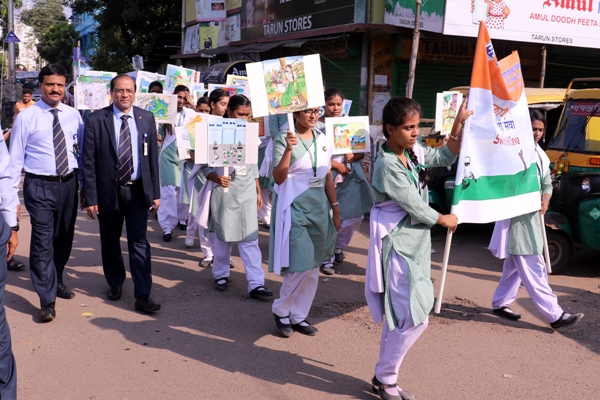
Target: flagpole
438	303
546	251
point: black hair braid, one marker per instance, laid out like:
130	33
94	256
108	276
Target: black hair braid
423	173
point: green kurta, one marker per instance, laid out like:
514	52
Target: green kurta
312	234
525	237
233	213
264	181
170	166
199	180
411	237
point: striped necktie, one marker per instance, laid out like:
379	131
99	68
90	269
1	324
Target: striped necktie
125	156
60	147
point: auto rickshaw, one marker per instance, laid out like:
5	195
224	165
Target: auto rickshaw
574	153
441	182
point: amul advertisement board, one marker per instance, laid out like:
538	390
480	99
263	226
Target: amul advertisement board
557	22
263	18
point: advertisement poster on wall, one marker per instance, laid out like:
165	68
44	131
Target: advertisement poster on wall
566	23
262	18
210	10
192	39
402	13
209	35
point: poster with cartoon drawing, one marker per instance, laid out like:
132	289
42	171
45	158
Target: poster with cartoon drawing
177	75
348	134
446	108
226	142
285	85
162	106
186	134
197	91
92	90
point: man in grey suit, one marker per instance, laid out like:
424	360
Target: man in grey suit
121	182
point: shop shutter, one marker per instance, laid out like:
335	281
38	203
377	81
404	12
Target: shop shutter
432	78
345	76
564	63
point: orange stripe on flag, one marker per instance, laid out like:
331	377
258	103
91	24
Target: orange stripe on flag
488	71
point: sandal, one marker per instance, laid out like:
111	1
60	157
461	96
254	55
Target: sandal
14	265
379	388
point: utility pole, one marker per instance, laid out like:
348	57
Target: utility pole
11	53
415	50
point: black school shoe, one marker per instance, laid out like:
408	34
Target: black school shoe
562	322
506	312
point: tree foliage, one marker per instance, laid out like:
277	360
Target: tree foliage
127	28
43	15
56	46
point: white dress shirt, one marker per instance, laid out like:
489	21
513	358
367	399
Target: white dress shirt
32	140
8	198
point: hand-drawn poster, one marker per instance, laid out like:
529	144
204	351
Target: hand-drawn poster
226	142
163	106
143	80
86	95
348	134
231	89
210	10
178	76
186	134
91	96
138	62
346	108
285	85
197	91
446	108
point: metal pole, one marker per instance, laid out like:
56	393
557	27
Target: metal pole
11	53
413	57
364	75
182	25
543	70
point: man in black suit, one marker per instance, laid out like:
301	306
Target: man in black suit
121	181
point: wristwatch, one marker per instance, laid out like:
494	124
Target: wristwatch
15	228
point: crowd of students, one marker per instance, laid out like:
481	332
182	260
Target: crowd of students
312	203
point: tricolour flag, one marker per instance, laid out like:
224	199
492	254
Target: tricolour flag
496	176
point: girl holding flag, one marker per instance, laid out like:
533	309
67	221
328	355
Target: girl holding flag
398	286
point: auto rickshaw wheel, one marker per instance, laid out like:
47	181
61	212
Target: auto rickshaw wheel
559	247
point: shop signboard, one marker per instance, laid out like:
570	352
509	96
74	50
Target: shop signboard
556	22
264	18
402	13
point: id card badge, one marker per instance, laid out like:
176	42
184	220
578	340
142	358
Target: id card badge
145	149
241	170
316	182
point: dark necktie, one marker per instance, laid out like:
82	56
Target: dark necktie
60	147
125	156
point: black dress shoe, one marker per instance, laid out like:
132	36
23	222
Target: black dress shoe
47	313
114	293
507	313
305	329
221	284
260	292
379	388
145	304
64	292
562	322
285	330
167	237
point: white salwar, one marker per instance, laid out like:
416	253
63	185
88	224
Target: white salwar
251	258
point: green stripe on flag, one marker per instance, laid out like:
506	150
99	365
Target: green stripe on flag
497	187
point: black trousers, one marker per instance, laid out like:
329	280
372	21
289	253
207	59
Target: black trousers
8	368
52	207
130	207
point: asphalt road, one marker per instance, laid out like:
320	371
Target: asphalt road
223	345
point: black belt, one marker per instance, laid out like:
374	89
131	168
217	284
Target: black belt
53	178
131	183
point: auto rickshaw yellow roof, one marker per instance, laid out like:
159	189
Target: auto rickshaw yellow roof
584	94
534	95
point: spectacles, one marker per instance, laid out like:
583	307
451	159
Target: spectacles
121	91
310	113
